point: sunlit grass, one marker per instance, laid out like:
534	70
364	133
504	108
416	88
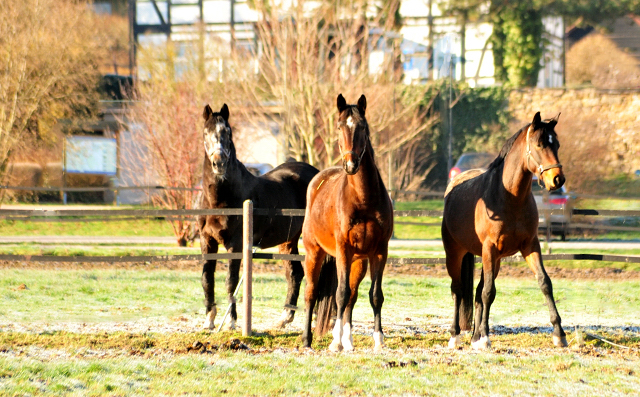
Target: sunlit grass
416	316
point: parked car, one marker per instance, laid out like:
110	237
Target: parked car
469	161
258	169
560	201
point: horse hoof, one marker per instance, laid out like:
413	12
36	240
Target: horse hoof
285	319
378	341
347	345
560	341
231	326
208	322
280	324
454	342
335	346
481	344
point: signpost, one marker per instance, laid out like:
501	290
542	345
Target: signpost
94	155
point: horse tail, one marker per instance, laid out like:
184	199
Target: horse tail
466	301
326	303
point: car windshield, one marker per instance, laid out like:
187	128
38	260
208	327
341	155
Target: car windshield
474	160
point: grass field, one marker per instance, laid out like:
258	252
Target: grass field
107	331
153	227
134	332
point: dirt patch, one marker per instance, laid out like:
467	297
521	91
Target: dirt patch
506	270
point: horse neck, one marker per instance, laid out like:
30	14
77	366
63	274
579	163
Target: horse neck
223	189
366	183
516	177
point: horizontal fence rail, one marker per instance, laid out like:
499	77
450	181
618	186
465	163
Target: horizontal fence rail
142	213
268	256
421	193
45	215
97	188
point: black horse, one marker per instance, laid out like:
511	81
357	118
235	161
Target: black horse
227	183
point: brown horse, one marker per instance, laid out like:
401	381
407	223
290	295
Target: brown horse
349	216
494	215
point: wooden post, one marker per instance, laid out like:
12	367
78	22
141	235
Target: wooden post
247	262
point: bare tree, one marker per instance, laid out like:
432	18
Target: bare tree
168	148
48	68
307	58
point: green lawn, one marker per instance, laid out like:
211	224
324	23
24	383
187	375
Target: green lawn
121	295
288	372
416	317
138	227
158	228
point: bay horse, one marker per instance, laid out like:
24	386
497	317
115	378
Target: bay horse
349	215
494	215
227	183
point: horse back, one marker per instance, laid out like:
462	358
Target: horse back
477	208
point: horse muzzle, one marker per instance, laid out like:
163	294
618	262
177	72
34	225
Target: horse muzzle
350	163
219	162
553	181
558	181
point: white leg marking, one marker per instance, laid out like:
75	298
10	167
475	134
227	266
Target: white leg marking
560	341
285	319
336	345
454	342
378	340
482	343
347	337
211	316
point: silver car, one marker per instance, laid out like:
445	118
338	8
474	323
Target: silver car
560	202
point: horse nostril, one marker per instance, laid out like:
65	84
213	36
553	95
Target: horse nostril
558	181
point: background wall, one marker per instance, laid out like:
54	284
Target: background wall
599	130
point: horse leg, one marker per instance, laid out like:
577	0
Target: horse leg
478	309
233	275
312	266
294	273
358	271
208	245
534	260
487	294
454	268
376	298
343	294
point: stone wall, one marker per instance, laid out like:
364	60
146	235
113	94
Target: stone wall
599	131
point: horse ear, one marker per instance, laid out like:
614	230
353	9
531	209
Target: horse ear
224	112
342	103
536	121
207	112
362	104
554	121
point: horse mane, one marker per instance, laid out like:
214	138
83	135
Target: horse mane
506	148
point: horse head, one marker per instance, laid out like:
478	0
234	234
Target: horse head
353	133
542	152
218	139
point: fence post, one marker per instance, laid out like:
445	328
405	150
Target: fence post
247	262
